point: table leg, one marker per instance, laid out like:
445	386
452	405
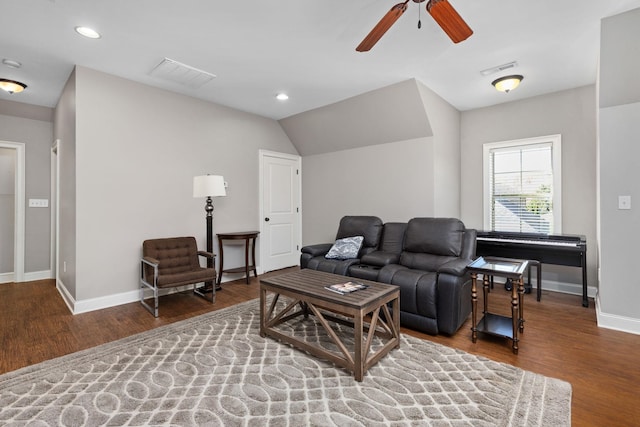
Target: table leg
485	292
263	311
521	305
221	253
358	368
253	258
474	308
515	314
246	260
395	306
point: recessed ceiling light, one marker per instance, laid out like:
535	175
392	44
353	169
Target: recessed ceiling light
282	96
11	63
88	32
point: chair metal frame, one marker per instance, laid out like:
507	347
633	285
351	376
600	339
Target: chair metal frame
154	263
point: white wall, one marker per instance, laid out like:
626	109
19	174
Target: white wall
572	114
137	151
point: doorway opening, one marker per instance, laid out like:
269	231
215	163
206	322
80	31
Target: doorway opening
12	207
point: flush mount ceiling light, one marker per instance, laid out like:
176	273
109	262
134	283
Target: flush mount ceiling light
12	86
282	97
88	32
507	83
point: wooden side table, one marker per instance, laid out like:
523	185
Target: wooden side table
249	238
496	324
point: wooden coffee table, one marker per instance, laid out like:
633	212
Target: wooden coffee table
365	310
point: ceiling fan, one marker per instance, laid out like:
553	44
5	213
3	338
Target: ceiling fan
441	10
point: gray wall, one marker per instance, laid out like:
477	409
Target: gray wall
570	113
392	181
65	133
410	169
390	114
445	121
137	149
7	208
32	126
619	150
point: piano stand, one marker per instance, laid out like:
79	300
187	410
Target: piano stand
559	249
534	263
528	286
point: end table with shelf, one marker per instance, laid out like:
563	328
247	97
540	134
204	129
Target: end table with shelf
249	238
491	323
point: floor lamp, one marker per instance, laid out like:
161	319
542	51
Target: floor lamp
209	186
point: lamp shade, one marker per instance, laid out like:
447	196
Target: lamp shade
208	186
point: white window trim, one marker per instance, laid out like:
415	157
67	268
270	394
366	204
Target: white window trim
556	154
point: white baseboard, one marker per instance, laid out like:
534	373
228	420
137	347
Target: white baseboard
565	288
64	293
28	276
615	322
91	304
38	275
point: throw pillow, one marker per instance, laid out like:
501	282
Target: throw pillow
346	248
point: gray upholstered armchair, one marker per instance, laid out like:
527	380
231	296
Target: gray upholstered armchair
172	262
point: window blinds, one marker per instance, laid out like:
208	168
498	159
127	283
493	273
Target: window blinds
521	188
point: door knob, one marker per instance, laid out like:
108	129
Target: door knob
267	219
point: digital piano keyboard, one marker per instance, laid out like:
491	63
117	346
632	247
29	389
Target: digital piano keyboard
559	249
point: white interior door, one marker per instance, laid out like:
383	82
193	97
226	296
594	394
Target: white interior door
280	233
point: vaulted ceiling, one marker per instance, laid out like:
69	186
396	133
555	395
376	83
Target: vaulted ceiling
257	49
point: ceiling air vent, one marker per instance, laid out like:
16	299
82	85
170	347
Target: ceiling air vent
499	68
181	73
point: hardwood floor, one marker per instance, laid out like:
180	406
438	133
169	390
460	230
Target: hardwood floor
561	340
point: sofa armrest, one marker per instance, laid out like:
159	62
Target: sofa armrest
311	251
454	302
380	258
456	267
317	249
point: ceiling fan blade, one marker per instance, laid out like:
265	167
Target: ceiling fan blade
450	21
385	23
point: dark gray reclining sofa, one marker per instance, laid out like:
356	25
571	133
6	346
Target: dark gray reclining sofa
425	257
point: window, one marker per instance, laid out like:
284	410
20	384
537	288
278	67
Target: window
522	186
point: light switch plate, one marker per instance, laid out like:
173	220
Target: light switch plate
624	202
38	203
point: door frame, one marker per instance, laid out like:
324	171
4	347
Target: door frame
19	210
55	208
262	154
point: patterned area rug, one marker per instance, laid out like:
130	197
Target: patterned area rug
216	370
